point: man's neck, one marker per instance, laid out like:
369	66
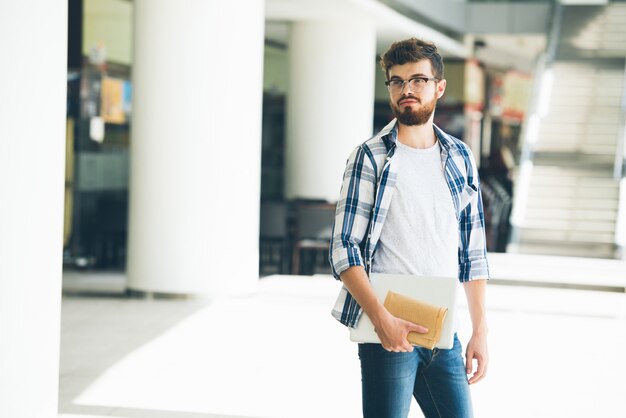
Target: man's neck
417	136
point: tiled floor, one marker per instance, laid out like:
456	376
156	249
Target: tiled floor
279	353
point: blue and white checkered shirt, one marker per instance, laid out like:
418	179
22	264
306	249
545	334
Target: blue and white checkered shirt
368	185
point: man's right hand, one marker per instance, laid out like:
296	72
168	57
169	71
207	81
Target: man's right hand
393	332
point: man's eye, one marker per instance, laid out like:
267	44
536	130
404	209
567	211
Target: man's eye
419	80
397	83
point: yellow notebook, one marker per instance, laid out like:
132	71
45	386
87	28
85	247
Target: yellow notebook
420	313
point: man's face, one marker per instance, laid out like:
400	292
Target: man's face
410	105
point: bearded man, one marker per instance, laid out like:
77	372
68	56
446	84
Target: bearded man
411	197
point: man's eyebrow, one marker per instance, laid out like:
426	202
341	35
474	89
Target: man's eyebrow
395	77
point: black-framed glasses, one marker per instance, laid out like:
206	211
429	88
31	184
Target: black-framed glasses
416	84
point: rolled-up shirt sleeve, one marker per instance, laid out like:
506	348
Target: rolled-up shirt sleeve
472	243
352	214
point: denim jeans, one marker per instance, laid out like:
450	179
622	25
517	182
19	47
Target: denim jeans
436	378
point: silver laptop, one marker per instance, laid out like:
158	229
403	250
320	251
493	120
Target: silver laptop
438	291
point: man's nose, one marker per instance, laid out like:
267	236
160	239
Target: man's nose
407	87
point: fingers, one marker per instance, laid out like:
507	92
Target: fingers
419	328
404	348
469	356
416	328
480	373
397	341
481	370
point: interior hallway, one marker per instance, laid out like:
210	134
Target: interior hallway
279	353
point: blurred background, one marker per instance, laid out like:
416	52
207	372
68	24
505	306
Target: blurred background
203	145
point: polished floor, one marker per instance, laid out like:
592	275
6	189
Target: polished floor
277	352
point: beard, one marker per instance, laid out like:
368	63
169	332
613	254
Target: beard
412	117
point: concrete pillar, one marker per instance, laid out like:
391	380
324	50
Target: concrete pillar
330	104
195	146
33	80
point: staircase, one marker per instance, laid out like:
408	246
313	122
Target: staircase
573	195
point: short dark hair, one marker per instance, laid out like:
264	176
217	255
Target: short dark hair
412	50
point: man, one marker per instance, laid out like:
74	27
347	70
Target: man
410	204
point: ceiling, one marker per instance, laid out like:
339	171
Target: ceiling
504	51
390	24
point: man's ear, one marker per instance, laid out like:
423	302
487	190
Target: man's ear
441	88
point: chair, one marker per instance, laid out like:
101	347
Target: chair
273	236
312	230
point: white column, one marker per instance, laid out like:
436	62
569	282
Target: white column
330	104
195	146
33	80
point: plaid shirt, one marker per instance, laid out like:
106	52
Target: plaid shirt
368	185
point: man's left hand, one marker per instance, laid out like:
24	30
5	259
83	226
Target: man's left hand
476	349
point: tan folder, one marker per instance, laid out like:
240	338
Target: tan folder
420	313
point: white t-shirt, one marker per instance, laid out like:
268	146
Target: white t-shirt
420	235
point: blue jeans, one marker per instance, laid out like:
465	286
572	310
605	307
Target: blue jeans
435	378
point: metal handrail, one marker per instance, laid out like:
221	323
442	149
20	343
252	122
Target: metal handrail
531	123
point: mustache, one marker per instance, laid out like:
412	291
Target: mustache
408	97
